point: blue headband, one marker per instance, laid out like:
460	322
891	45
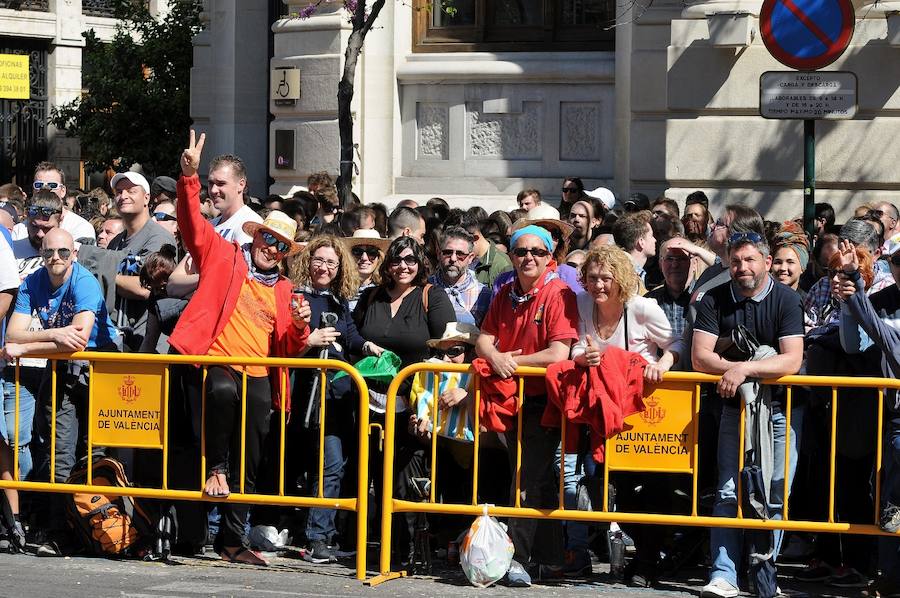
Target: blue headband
537	231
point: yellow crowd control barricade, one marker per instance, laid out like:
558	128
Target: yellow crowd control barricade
661	439
128	408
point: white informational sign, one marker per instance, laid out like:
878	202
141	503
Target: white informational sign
285	84
829	95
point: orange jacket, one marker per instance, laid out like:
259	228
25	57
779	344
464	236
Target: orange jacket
600	397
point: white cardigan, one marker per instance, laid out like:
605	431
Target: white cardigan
649	331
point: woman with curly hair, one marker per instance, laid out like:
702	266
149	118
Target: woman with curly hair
326	275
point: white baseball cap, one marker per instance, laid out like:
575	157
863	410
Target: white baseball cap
135	177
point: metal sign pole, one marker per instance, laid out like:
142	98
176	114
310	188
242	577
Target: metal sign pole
809	177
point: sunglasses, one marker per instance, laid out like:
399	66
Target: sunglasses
63	252
460	255
409	260
569	189
367	250
750	237
454	351
535	251
53	186
273	241
575	265
43	213
163	217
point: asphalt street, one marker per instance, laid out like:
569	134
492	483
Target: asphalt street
84	577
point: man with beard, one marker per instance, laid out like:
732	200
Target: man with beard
582	217
469	297
772	313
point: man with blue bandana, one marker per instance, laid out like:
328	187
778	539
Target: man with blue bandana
532	321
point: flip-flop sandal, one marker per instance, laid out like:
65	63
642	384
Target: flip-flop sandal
216	472
234	557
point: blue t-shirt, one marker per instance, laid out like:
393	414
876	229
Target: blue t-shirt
56	308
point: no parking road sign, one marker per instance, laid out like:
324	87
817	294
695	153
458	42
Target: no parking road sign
806	34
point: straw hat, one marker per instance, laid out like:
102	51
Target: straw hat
563	228
366	236
279	224
455	333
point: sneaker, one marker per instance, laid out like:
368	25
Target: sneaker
719	588
881	588
50	548
847	577
578	563
319	553
517	576
890	518
816	570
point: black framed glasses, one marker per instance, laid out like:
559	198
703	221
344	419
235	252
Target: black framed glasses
748	237
64	253
41	212
163	217
570	189
460	255
371	252
409	260
52	185
451	352
273	241
535	251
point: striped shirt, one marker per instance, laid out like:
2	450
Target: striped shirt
455	422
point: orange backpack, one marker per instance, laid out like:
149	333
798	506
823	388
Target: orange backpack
108	525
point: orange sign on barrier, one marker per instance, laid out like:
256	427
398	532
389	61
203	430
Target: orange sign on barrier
127	406
661	437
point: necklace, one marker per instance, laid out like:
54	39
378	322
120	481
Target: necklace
605	331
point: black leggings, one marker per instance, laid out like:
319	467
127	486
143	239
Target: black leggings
223	440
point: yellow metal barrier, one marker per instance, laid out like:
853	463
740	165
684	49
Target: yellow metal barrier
688	385
142	382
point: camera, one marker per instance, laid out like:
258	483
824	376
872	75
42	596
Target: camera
329	319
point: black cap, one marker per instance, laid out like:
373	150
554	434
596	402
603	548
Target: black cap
163	184
637	202
9	209
697	197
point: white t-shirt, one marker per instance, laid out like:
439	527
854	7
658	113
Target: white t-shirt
28	260
233	228
9	271
72	223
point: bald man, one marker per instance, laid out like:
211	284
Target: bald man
68	303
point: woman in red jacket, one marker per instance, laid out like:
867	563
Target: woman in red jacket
242	307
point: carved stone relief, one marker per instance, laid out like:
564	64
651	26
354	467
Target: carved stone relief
433	125
579	130
515	136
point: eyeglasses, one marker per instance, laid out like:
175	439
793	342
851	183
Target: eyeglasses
52	185
63	252
43	213
535	251
837	272
749	237
273	241
318	262
719	224
367	250
409	260
575	265
454	351
460	255
163	217
569	189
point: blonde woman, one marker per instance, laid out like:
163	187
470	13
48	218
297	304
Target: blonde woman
326	275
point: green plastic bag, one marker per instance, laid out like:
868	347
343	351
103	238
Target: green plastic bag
383	368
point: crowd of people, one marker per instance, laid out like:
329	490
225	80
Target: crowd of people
607	293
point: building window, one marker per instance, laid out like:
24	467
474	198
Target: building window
514	25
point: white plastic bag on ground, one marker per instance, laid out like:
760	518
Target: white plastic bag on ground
485	552
267	538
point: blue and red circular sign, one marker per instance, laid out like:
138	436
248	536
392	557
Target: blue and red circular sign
806	34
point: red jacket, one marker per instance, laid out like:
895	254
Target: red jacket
223	271
601	397
499	398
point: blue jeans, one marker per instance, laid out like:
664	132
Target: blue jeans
26	420
576	532
889	547
320	522
725	543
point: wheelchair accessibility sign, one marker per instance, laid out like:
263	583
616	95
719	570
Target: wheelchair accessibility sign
285	85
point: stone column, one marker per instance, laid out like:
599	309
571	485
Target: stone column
64	83
316	47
